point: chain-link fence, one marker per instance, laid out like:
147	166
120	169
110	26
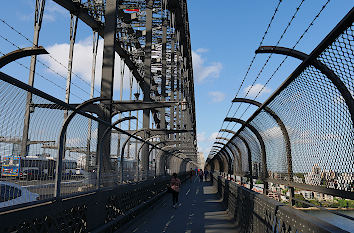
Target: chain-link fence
29	169
306	125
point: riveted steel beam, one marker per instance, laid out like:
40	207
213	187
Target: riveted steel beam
21	53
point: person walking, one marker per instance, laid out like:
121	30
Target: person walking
206	175
201	174
175	185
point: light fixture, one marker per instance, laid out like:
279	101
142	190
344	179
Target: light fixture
184	104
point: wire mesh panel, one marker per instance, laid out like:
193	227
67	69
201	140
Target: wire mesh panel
320	129
307	124
274	144
30	169
244	154
255	151
79	170
231	158
339	57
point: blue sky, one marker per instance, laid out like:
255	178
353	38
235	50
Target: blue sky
224	37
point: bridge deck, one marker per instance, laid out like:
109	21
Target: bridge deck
200	211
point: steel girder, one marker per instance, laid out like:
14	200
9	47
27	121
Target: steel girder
162	33
144	41
20	53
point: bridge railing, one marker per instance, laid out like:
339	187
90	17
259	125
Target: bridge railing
254	212
302	136
103	210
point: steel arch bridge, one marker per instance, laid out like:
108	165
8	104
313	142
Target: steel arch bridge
91	175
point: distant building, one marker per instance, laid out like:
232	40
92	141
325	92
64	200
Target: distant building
322	197
298	179
313	177
273	196
345	181
201	160
256	169
307	194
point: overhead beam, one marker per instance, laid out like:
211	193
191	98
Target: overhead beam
21	53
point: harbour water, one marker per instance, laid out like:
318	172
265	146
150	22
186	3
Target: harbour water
341	222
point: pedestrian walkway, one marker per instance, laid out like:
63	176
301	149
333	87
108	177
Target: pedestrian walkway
200	211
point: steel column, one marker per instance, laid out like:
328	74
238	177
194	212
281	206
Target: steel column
147	80
73	28
163	79
107	80
172	84
38	17
95	39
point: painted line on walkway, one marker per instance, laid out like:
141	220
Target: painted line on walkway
188	191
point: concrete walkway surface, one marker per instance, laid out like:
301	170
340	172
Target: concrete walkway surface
200	211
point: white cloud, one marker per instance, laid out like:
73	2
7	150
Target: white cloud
48	17
213	136
52	10
204	150
273	132
75	141
217	96
202	50
255	89
55	8
202	71
82	61
201	137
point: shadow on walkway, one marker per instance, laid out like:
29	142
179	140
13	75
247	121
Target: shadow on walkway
200	211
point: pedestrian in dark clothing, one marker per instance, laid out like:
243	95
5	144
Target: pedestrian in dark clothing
206	175
201	174
175	185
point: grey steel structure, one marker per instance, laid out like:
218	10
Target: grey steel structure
130	29
152	39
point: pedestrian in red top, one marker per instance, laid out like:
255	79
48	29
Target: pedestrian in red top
175	185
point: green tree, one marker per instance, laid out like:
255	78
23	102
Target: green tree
259	181
334	205
284	191
315	202
300	204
